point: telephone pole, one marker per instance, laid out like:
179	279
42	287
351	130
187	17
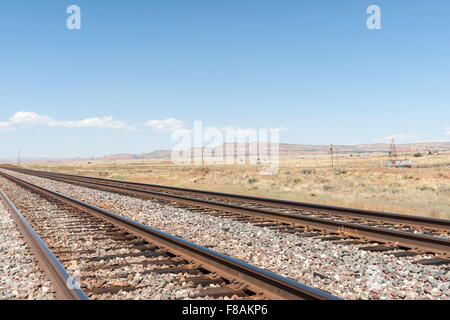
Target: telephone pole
332	157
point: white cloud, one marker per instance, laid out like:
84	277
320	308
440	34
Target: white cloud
448	132
5	126
402	137
165	125
29	119
103	123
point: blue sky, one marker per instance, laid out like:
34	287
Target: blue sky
311	67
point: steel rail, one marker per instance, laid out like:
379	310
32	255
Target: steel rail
66	287
409	240
417	221
254	279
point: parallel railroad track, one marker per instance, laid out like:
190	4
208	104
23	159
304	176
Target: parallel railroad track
113	255
397	221
350	231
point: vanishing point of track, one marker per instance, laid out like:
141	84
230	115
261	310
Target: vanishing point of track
408	235
122	241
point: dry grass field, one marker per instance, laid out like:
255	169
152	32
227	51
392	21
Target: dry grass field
359	182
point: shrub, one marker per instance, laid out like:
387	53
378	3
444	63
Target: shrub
426	188
338	171
417	154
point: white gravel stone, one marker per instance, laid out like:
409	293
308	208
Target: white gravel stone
342	270
20	278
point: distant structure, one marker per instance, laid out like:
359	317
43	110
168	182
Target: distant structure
332	156
434	151
394	162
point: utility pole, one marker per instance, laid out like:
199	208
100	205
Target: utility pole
18	158
332	157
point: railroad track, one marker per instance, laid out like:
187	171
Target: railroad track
106	256
330	227
424	225
47	261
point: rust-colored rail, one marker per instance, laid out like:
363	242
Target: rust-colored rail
264	283
395	238
395	218
65	286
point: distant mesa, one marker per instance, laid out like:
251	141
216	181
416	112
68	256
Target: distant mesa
285	150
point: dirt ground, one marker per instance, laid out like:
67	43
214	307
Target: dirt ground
360	181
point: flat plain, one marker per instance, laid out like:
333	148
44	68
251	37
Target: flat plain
358	181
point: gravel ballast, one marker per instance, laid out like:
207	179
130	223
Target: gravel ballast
94	258
20	277
342	270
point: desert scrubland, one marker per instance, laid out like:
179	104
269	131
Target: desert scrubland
360	181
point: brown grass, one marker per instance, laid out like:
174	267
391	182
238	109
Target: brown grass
309	178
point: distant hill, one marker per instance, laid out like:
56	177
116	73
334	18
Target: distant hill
301	149
120	156
297	149
285	150
158	154
366	148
